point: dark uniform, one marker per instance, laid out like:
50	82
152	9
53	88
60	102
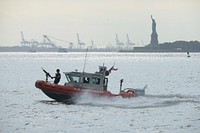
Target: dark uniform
57	77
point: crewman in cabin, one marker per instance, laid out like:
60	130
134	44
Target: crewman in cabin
57	76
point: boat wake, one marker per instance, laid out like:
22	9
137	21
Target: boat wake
49	102
147	101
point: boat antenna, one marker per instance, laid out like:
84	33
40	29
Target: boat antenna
85	59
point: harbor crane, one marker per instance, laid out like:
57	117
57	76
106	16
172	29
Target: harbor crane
92	43
79	42
49	42
24	42
70	43
46	42
128	41
119	43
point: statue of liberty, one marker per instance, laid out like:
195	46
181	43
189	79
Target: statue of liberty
154	35
153	25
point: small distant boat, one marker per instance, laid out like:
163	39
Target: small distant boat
79	83
188	54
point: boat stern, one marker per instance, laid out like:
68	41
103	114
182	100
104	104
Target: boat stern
134	92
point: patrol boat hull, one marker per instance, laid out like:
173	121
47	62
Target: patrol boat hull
70	94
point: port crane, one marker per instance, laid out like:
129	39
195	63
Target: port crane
119	43
24	43
47	37
48	42
128	41
80	44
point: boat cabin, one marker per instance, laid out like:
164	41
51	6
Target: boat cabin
83	80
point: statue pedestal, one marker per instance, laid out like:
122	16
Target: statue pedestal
154	39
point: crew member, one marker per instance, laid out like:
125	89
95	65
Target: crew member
57	77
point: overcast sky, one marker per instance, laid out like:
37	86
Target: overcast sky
98	20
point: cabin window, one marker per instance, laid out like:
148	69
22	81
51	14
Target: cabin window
75	78
86	80
96	81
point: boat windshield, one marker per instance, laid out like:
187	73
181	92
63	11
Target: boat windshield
73	78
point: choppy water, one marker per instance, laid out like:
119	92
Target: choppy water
171	104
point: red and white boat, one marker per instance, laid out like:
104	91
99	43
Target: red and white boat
79	83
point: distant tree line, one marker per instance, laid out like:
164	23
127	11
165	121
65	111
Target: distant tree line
181	45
